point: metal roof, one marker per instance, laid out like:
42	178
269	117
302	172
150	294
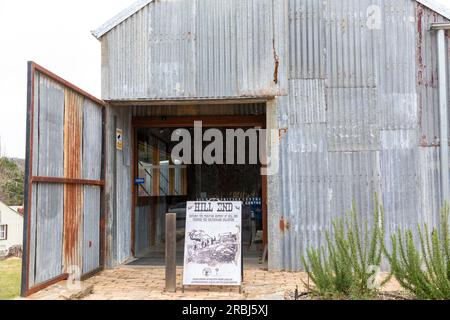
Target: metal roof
121	17
443	10
139	4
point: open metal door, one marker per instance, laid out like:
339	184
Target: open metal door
64	182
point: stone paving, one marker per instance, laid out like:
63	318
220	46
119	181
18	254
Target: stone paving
147	283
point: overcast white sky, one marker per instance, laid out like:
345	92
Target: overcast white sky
55	34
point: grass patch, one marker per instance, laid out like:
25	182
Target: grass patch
10	274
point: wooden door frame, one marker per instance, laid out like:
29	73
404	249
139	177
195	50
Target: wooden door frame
258	121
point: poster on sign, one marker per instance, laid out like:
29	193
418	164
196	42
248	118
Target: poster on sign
213	247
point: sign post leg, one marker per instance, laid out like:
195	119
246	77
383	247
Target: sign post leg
171	244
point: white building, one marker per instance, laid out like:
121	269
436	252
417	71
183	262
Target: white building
11	228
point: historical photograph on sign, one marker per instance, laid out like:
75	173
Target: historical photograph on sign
213	244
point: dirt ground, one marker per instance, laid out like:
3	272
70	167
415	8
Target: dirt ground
147	283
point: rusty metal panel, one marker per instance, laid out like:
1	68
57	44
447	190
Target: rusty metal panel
199	49
427	75
55	157
73	194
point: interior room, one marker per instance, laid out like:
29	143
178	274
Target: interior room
164	183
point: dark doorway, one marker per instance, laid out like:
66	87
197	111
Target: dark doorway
163	185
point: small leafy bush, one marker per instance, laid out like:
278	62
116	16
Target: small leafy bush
423	270
347	266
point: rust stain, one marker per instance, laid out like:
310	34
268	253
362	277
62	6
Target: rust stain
73	194
419	57
277	63
284	225
282	132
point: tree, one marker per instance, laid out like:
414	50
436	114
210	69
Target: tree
11	182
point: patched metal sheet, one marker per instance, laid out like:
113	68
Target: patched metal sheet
304	178
397	68
353	118
352	44
48	213
305	104
373	108
118	187
92	155
47	209
197	49
430	185
91	229
307	39
362	98
92	140
400	176
427	75
55	207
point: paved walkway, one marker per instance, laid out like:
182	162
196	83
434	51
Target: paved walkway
147	283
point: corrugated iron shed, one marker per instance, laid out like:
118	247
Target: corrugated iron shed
350	86
358	114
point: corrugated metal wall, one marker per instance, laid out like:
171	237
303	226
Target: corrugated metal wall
92	139
64	221
46	224
200	110
360	117
361	101
428	107
118	187
142	230
197	49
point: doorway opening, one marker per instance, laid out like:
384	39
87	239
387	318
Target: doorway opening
164	180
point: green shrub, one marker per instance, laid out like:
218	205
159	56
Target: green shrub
346	267
423	270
